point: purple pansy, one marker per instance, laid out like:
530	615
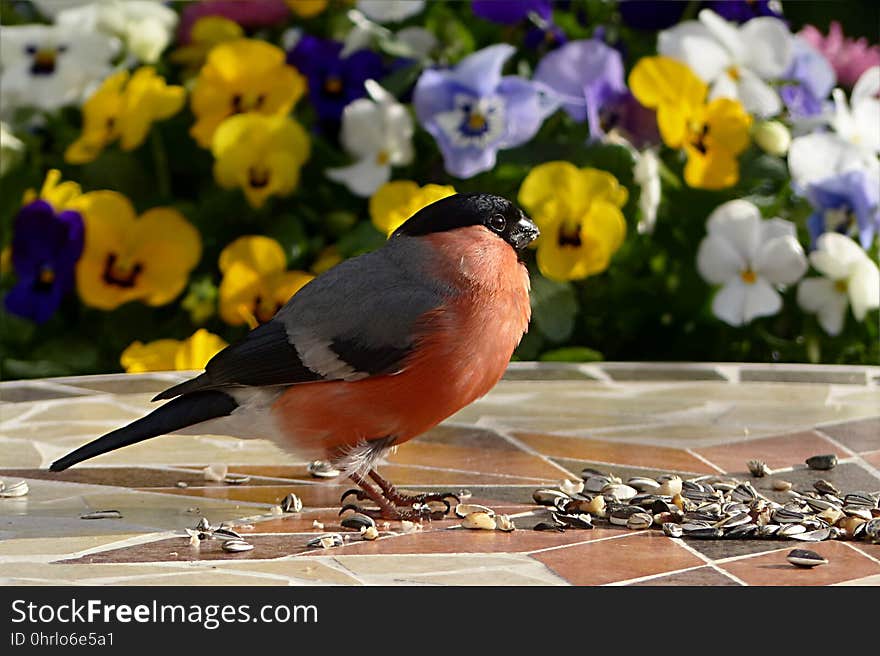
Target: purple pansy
741	11
45	249
814	78
588	77
848	203
472	111
511	12
334	81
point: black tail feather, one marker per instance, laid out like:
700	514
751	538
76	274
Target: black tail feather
187	386
174	415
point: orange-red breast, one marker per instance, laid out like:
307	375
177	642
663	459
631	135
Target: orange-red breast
371	353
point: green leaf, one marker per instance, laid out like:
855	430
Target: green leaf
572	354
554	307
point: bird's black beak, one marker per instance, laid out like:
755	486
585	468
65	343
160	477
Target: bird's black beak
523	232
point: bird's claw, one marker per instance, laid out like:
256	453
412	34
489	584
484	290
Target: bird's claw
360	495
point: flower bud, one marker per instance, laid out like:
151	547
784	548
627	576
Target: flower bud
773	137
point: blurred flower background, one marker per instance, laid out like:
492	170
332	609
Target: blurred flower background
705	174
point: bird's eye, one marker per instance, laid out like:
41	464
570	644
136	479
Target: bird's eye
497	223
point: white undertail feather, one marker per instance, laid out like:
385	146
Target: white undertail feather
363	456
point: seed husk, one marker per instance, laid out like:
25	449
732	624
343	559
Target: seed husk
326	541
571	487
322	469
370	532
549	526
224	533
549	497
669	486
758	468
236	479
215	472
814	536
620	491
291	504
465	509
805	558
102	514
237	546
790	530
822	462
505	523
13	490
479	521
620	516
580	520
859	499
781	486
639	521
672	530
644	484
826	487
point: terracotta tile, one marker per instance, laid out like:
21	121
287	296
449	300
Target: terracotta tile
844	564
138	477
463	541
836	376
547	374
610	561
778	451
873	458
488	461
860	436
624	472
636	455
721	549
314	496
692	577
655	373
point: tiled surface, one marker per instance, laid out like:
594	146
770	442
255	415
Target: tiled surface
541	424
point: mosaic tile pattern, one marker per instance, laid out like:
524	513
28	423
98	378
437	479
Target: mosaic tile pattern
543	423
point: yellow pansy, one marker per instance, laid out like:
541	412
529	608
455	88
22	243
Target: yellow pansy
58	194
307	8
207	32
260	154
327	259
129	258
713	134
394	202
579	214
172	354
124	107
245	75
255	281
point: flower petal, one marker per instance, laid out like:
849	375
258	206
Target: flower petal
718	261
761	300
819	296
362	178
864	288
262	254
781	260
694	44
769	46
820	155
757	96
729	303
481	71
836	255
153	356
169	247
739	223
362	128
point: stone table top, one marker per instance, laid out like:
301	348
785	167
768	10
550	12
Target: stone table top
542	424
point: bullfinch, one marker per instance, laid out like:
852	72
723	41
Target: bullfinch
369	354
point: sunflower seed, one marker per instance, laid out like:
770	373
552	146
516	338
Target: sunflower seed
639	521
768	530
785	516
326	541
322	469
236	479
581	520
740	531
596	483
872	530
237	546
549	497
859	499
571	487
781	486
291	504
758	469
619	491
102	514
823	462
805	558
479	521
357	521
814	536
224	533
643	484
548	526
621	515
505	523
858	511
826	487
672	530
465	509
17	489
790	530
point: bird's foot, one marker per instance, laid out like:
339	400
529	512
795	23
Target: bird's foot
391	512
395	505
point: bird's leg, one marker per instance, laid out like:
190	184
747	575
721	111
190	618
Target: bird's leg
400	499
386	507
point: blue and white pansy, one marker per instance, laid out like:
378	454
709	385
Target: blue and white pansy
473	111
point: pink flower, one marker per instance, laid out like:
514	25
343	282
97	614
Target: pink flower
849	57
247	13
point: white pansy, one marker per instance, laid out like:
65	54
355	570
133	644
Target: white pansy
390	11
858	121
410	42
849	278
377	131
736	60
49	66
821	155
749	257
146	27
11	150
646	173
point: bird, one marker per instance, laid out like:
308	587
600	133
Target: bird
370	354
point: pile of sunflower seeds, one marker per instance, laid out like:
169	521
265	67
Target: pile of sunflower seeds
231	541
710	507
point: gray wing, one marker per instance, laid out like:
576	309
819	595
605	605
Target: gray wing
354	321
